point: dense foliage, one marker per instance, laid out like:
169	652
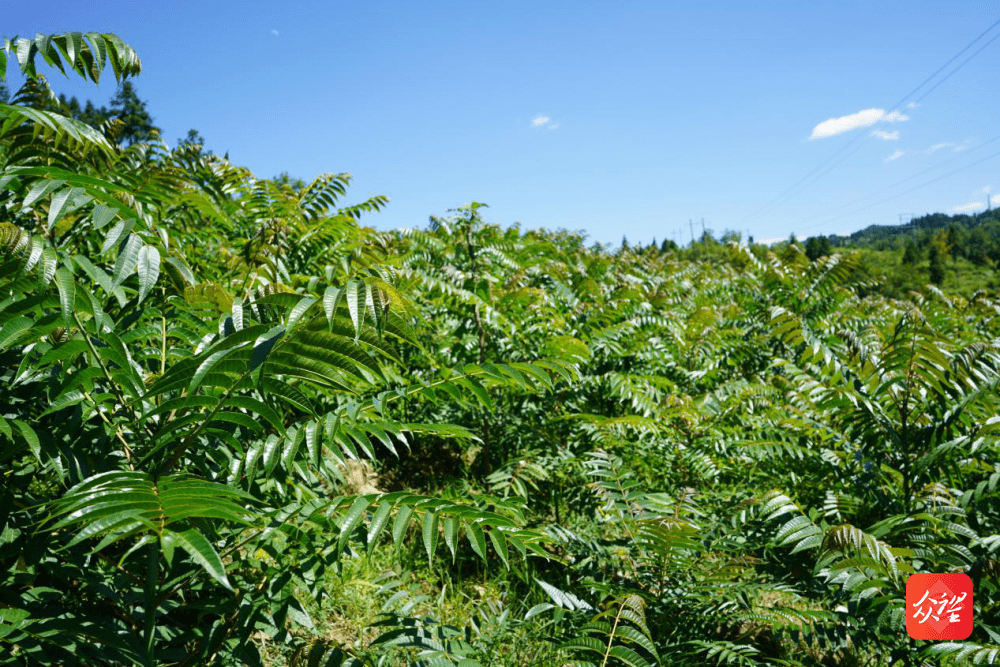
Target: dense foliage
238	427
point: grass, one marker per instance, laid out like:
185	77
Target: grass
369	588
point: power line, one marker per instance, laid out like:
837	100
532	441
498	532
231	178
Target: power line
866	137
913	189
917	101
897	183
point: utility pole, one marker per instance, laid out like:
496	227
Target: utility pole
691	224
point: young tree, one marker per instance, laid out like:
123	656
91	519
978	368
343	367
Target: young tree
732	236
979	245
911	253
296	184
812	248
194	139
957	238
937	264
816	247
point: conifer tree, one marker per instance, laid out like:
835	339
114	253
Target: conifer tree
137	123
937	264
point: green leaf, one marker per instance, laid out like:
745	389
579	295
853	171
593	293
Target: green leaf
103	215
258	407
39	190
357	313
401	522
127	260
430	533
98	275
183	270
378	524
50	260
31	438
148	266
451	533
67	294
14	329
299	310
64	202
331	297
121	228
628	656
204	554
264	344
476	539
352	519
500	545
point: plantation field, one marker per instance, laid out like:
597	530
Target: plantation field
238	426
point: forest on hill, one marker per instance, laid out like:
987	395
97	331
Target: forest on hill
958	252
240	427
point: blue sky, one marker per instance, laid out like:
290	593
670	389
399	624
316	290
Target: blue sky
613	118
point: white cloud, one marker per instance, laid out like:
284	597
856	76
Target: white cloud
863	118
539	121
995	200
887	136
833	126
957	148
988	189
275	33
912	105
553	126
895	156
968	208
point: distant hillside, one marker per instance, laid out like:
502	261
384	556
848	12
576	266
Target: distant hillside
960	253
887	237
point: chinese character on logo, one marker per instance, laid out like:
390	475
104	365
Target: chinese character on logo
939	606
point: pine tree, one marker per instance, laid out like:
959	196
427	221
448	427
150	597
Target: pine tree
911	254
937	264
812	248
93	116
137	124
